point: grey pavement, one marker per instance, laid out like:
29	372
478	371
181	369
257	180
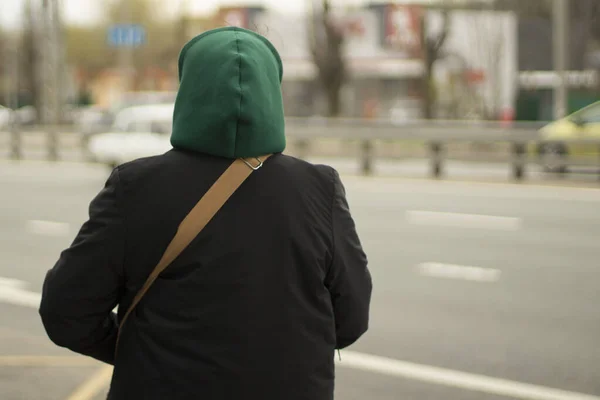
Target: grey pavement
537	323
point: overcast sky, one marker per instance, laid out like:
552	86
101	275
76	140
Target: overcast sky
89	11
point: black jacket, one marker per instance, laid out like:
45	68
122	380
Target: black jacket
255	306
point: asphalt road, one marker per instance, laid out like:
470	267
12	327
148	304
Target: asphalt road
483	281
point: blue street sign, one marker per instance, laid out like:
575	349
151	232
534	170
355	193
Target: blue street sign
126	35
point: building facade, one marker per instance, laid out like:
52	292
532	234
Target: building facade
382	51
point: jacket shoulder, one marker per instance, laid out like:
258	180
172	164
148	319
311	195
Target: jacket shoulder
140	165
323	172
151	167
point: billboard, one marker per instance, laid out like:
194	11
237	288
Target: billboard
402	29
232	16
243	17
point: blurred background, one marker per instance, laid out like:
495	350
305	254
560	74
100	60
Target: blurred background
467	131
453	59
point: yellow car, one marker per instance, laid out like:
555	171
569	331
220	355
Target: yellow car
582	124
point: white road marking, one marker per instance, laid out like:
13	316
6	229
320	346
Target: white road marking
46	361
364	362
457	379
94	385
48	228
464	272
469	188
14	283
12	291
434	218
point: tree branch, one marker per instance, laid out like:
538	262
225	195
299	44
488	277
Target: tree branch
326	48
441	39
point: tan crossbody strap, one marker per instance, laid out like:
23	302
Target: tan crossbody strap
196	220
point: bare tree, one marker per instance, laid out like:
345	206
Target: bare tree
527	8
4	51
433	45
326	47
585	17
30	60
584	22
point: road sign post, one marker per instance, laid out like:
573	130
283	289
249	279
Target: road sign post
126	37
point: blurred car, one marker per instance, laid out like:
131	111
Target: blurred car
139	131
26	115
93	119
141	98
6	117
582	124
145	97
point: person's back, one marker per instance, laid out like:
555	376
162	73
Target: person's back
256	305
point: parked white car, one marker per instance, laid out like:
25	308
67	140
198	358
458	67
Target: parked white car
139	131
6	117
92	119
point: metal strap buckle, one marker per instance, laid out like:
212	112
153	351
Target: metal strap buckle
260	163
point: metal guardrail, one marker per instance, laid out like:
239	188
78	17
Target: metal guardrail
438	130
51	134
436	135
